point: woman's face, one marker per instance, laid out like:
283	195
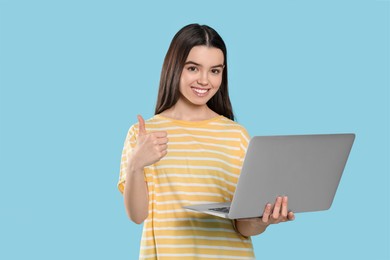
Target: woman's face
202	75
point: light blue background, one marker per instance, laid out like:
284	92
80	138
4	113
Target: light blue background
74	75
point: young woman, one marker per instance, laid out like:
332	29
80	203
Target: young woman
199	163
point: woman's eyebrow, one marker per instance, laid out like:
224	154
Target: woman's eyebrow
197	64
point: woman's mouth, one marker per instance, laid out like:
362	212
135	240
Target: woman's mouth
200	92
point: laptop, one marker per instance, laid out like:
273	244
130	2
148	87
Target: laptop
306	168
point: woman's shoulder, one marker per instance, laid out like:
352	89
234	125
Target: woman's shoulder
237	127
151	122
228	122
135	124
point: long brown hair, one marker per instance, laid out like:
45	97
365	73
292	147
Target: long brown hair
181	45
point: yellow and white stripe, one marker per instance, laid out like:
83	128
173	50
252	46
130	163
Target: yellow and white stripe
202	166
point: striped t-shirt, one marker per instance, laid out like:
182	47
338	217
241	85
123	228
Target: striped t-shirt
202	165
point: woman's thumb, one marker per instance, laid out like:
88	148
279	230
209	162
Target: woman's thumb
141	125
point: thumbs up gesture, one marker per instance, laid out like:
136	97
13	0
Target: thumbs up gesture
151	147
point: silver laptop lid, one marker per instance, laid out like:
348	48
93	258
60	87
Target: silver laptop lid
306	168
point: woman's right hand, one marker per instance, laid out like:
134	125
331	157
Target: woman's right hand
150	147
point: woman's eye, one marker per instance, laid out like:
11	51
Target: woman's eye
192	68
215	71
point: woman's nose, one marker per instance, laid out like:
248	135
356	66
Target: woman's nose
203	79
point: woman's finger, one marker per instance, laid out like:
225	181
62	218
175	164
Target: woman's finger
276	211
285	207
161	140
291	216
266	213
163	147
160	134
141	126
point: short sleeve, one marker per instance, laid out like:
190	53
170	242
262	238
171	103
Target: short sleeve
244	142
128	147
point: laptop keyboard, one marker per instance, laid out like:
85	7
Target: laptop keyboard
223	209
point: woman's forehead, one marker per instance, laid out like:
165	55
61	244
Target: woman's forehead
206	56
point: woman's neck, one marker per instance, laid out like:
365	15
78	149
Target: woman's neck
186	112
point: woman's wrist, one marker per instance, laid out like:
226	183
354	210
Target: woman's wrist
250	227
134	166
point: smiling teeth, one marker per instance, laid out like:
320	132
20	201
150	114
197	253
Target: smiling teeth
200	91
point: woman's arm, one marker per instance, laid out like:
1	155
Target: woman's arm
150	148
135	194
255	226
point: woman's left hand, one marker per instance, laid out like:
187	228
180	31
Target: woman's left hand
272	214
279	213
